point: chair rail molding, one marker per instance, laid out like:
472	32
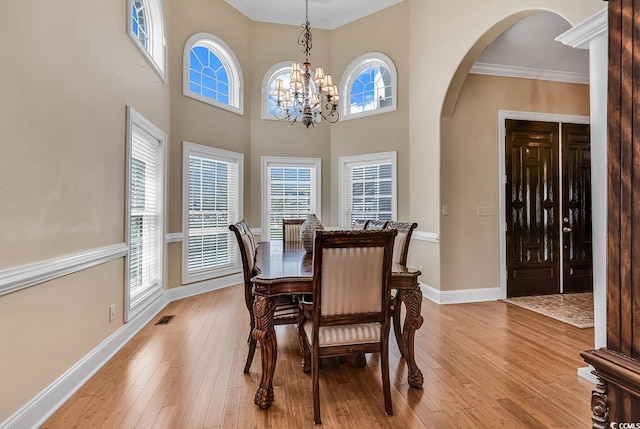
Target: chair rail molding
174	237
432	237
24	276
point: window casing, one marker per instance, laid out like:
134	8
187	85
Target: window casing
282	70
369	87
145	213
146	28
291	188
212	73
212	200
368	187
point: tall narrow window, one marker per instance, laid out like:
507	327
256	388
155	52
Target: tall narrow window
145	213
212	73
368	188
369	86
291	190
147	30
212	201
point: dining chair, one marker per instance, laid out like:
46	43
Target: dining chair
377	224
401	245
286	311
400	253
360	224
350	312
291	229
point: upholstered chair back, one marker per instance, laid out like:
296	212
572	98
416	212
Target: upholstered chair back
291	229
377	224
401	245
360	224
354	269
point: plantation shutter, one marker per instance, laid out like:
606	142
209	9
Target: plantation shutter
367	191
291	194
212	207
145	215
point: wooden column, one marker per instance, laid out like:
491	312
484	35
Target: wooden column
617	366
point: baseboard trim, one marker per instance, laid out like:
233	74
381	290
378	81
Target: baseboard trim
47	402
460	296
585	372
186	291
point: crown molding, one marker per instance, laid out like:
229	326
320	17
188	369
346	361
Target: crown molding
580	35
529	73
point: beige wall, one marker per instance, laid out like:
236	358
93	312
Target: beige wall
445	39
68	74
386	32
469	169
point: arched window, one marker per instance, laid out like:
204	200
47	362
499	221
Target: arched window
147	30
369	86
282	70
212	73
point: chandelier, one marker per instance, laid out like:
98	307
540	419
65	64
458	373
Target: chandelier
299	102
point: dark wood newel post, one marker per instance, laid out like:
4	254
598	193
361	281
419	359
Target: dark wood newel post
616	398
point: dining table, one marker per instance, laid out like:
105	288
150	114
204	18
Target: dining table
285	268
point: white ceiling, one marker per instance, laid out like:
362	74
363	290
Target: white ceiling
527	49
327	14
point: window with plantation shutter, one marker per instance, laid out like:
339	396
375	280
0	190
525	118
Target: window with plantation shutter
212	201
145	213
290	190
367	188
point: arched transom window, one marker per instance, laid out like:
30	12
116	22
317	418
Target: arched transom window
212	73
369	86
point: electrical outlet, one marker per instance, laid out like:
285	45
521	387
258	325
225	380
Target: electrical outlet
445	210
112	312
486	211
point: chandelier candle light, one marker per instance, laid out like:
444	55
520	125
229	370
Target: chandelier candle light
298	102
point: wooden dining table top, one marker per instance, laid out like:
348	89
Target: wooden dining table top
285	267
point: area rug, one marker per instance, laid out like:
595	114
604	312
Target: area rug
576	309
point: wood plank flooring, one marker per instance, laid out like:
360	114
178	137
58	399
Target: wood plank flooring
486	365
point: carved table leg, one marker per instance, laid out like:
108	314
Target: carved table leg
600	406
264	332
304	348
412	299
397	312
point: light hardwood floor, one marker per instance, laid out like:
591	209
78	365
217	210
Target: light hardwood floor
486	365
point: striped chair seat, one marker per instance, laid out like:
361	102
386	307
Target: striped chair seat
360	333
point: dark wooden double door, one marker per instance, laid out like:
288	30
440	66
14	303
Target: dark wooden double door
548	238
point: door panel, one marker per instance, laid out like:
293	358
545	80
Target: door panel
533	263
576	210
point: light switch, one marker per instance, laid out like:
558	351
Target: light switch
486	211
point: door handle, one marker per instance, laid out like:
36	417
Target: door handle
566	229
